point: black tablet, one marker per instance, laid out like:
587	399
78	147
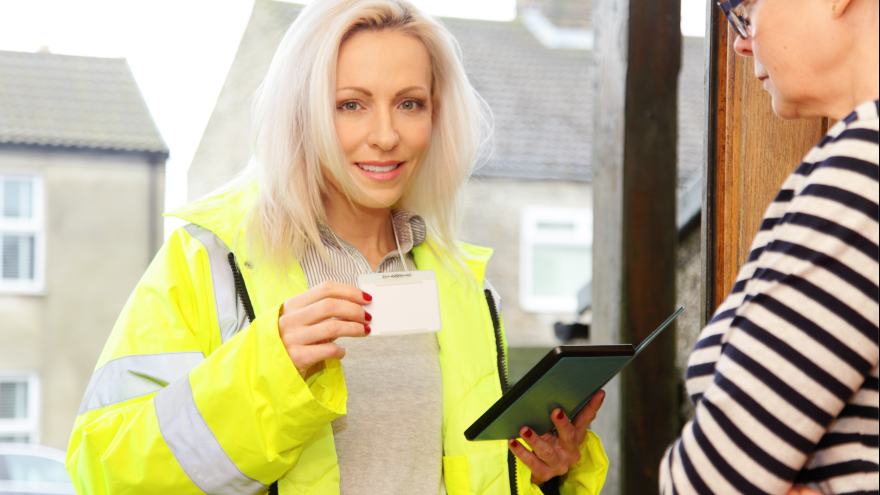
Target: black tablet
567	377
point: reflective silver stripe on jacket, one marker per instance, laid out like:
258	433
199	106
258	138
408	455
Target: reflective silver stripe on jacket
194	445
230	312
134	376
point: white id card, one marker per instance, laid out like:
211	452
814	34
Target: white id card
403	303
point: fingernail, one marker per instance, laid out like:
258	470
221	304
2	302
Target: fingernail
368	316
527	433
367	329
367	297
560	415
512	443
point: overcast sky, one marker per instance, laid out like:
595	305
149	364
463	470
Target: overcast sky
180	51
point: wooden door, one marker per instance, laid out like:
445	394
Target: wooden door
749	154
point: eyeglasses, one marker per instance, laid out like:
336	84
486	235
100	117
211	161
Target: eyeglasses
738	15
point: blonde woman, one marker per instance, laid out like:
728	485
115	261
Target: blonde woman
243	363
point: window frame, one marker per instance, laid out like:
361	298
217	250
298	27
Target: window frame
35	226
29	425
582	236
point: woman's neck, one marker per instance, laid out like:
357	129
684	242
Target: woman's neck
369	230
865	79
861	83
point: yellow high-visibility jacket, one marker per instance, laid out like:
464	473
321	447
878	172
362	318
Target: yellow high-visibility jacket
189	397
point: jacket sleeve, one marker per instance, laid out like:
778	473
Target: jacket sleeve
587	477
170	410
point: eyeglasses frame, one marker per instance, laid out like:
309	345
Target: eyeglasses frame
740	24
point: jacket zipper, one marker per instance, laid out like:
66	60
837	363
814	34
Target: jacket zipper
241	289
502	374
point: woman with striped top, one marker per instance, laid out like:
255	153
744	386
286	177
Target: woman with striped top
785	376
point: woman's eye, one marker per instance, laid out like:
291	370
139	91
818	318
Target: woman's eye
410	105
350	106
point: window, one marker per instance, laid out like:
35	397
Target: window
556	258
21	233
19	407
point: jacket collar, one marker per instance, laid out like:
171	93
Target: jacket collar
225	215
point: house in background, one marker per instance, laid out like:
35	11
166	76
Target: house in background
532	202
82	174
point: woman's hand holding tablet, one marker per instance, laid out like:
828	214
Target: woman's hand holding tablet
554	452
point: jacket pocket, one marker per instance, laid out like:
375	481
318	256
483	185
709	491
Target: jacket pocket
456	475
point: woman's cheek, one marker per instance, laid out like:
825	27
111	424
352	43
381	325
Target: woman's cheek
347	134
420	137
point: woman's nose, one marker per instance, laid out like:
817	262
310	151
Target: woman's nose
383	135
743	47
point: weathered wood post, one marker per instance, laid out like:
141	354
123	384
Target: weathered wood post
637	60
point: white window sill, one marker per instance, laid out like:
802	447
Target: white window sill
22	290
548	304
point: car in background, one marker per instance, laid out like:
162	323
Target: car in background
33	470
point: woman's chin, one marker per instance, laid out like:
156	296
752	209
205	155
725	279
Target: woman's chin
784	109
798	106
376	201
794	111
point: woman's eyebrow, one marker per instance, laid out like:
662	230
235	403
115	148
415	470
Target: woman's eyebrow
407	90
356	88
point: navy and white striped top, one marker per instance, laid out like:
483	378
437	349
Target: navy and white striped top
785	376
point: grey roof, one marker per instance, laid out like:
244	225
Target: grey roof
68	102
541	100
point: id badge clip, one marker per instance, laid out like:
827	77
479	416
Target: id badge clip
404	303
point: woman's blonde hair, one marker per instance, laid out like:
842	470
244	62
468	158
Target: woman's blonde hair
294	133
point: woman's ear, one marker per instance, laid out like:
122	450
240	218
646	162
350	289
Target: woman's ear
838	7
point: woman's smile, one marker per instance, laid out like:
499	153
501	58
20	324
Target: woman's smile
382	171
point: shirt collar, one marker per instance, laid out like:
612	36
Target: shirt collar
410	227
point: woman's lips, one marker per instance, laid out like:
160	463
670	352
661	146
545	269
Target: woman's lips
380	171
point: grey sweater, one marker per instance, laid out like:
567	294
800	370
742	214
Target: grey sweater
390	442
